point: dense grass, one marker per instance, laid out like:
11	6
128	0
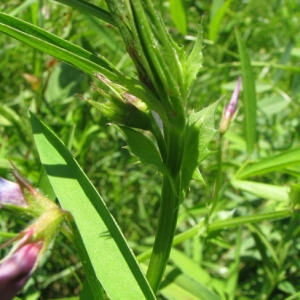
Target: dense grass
246	261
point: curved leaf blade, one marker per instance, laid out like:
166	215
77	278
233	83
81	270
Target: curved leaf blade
56	46
89	9
102	248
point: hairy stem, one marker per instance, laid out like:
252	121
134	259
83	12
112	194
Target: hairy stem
170	200
164	235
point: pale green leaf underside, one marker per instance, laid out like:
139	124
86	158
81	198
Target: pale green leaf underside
102	248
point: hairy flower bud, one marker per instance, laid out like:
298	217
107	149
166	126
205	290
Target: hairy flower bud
18	266
23	198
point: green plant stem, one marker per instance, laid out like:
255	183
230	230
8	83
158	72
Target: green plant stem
164	236
218	182
170	200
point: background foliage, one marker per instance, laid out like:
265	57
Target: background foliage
258	260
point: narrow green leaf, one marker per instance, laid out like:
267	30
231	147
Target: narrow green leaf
294	195
86	293
284	59
178	285
198	176
288	287
190	267
204	121
176	292
224	224
273	163
178	15
216	18
263	190
234	222
194	61
200	131
105	255
143	148
249	94
56	46
193	270
265	248
234	269
10	118
22	7
90	9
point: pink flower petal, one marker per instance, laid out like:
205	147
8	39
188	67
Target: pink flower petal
11	193
231	107
16	269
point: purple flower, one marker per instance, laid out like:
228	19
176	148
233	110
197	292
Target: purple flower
22	198
231	107
11	193
17	267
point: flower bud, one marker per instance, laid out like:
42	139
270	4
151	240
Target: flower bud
22	197
230	108
16	269
121	107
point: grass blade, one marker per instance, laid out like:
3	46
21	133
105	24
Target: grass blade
100	244
249	94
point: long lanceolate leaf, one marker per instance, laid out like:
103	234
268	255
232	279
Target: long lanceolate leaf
56	46
102	248
249	95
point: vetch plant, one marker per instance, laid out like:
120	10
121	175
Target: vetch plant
165	73
152	110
